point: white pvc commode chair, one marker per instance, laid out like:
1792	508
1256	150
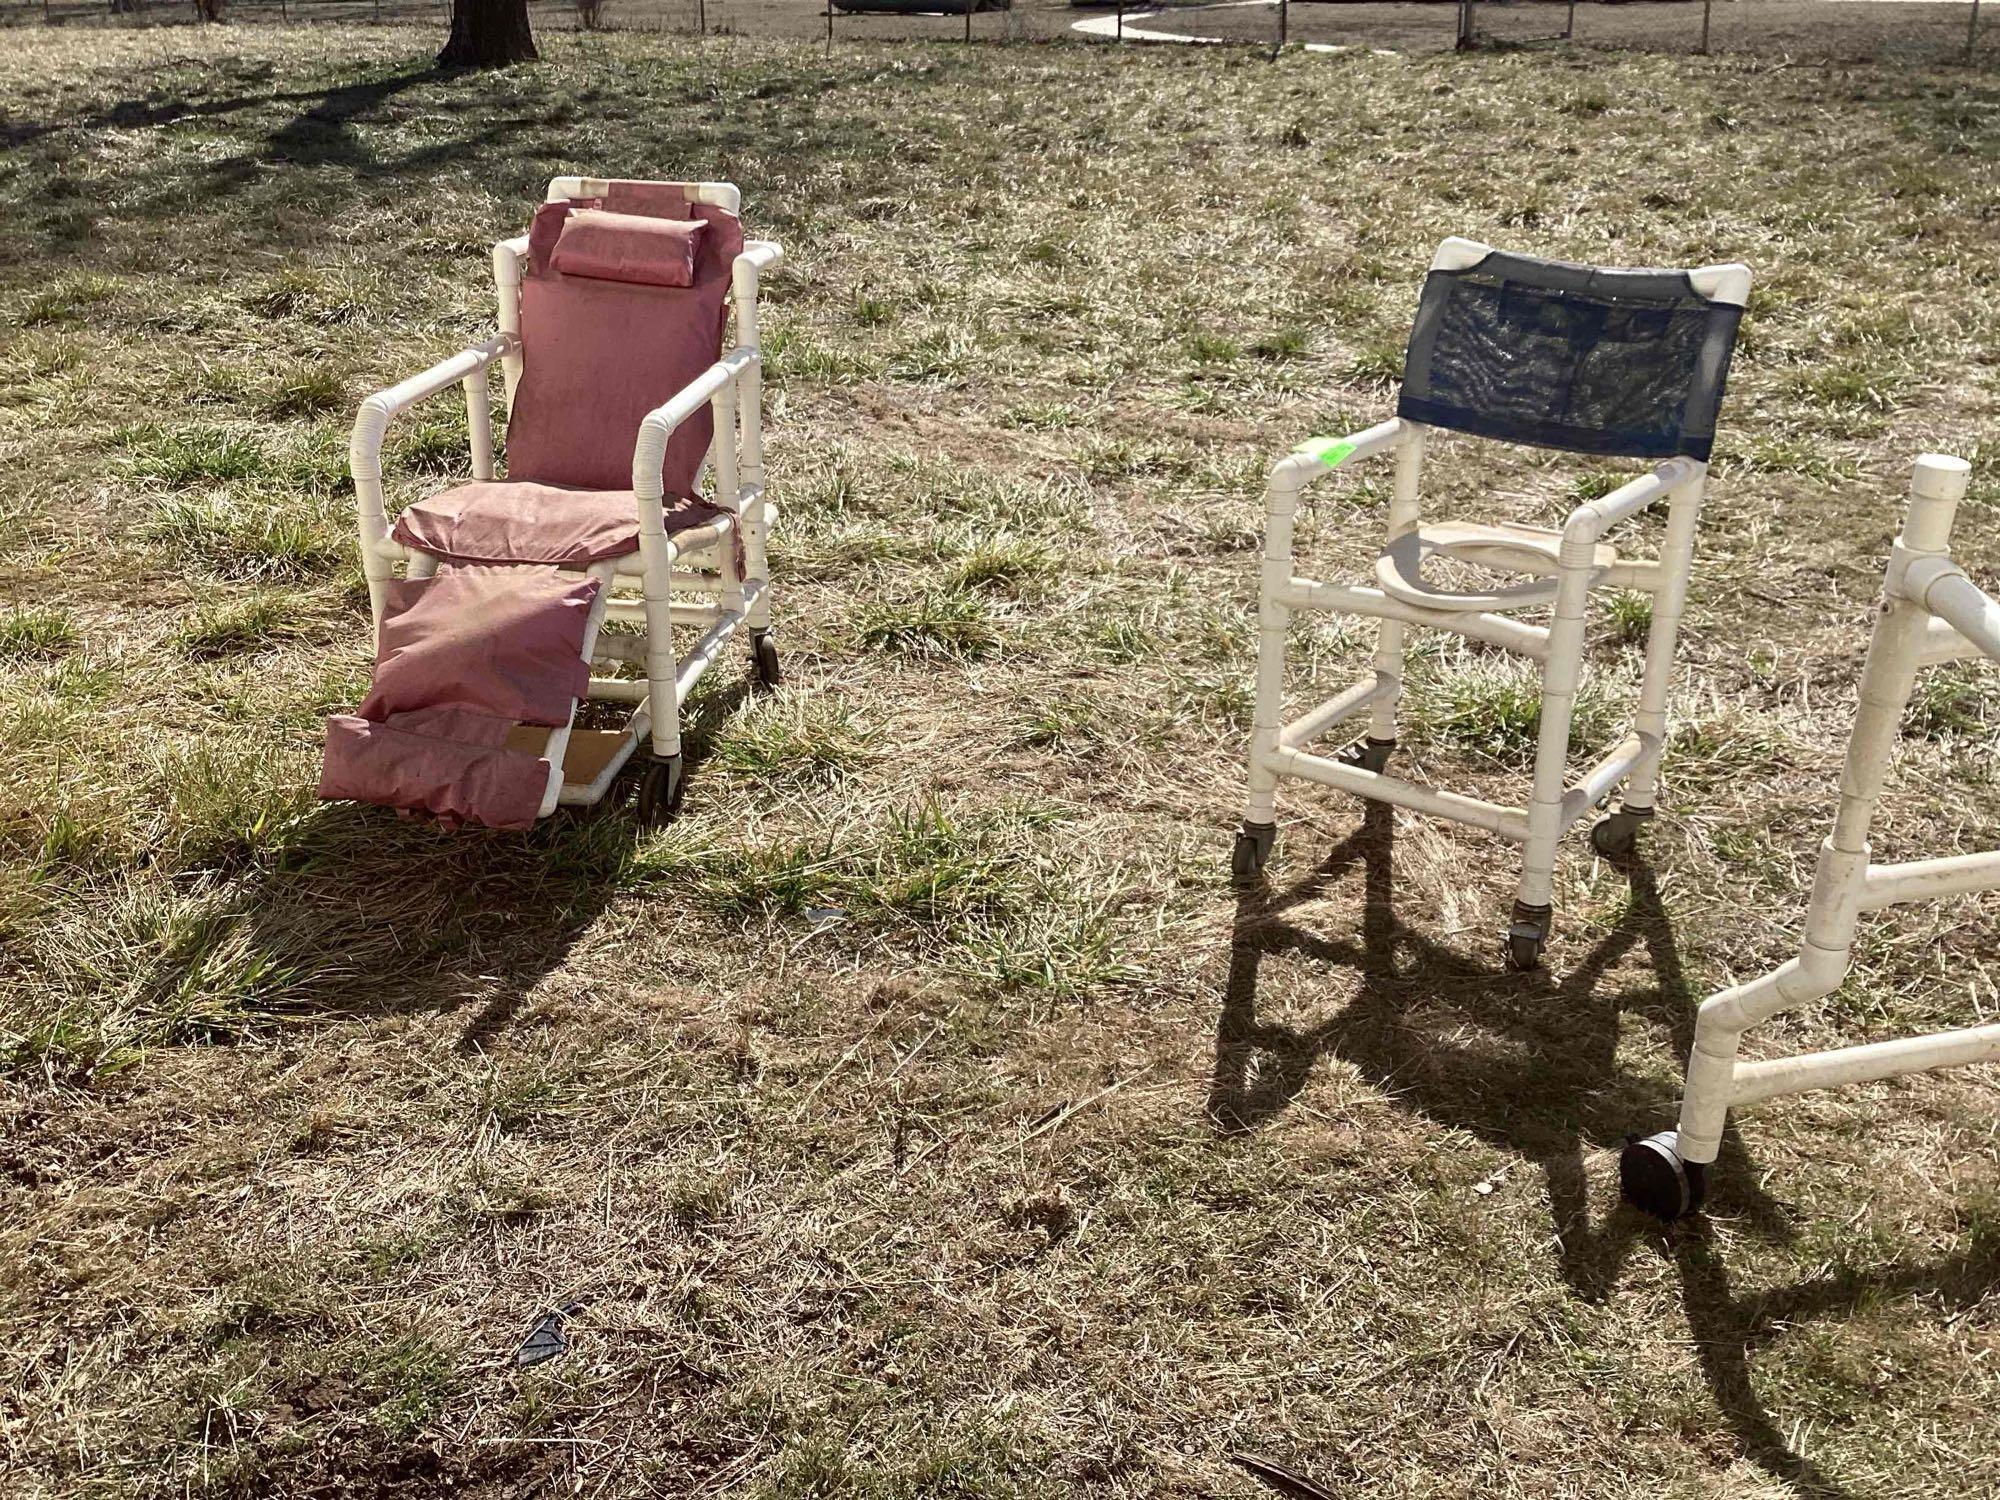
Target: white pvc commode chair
1621	363
1931	612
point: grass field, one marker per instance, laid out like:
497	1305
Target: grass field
924	1114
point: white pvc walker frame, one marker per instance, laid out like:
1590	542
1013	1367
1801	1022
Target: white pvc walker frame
687	578
1931	613
1578	561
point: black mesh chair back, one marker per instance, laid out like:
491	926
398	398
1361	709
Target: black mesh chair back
1580	358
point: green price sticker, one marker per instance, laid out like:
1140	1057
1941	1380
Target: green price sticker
1329	451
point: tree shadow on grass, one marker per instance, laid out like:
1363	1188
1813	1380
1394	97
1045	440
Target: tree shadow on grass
324	106
1527	1063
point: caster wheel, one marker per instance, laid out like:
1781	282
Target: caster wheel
1617	836
1369	754
764	659
1253	848
660	792
1653	1178
1527	935
1524	948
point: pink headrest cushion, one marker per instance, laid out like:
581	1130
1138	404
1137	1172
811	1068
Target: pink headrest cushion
628	247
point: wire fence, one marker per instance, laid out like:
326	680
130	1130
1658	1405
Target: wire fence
1916	31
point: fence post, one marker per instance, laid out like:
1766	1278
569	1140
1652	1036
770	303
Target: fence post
1569	26
1706	7
968	20
701	14
1972	33
829	26
1284	23
1465	25
1121	20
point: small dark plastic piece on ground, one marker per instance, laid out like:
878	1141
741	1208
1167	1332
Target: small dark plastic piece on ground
660	791
764	659
545	1340
1528	934
1280	1478
1253	848
1617	835
1370	754
1653	1177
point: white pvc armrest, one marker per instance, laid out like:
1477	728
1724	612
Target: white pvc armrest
761	255
1591	520
1321	456
445	373
373	418
756	257
650	452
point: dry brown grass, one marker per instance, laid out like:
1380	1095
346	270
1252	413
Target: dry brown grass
924	1114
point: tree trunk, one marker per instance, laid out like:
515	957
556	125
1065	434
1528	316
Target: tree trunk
488	34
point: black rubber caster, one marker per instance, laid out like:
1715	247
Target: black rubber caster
1617	836
1369	754
1527	935
764	659
1653	1177
1253	848
660	791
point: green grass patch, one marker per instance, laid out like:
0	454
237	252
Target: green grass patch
948	624
31	634
247	538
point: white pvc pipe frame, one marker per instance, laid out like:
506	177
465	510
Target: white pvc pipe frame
1278	749
725	600
1930	612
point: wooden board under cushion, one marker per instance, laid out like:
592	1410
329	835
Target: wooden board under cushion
590	750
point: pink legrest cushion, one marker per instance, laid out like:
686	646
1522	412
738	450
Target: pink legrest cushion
628	247
598	355
504	521
501	641
449	762
462	659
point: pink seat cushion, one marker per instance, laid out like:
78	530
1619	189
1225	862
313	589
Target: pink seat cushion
508	521
501	641
628	247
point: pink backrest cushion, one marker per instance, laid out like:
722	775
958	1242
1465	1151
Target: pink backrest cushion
598	355
628	247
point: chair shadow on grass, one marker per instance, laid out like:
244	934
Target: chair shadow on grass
1727	1329
354	911
1540	1079
1525	1061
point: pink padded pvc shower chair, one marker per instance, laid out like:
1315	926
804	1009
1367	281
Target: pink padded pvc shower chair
612	311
